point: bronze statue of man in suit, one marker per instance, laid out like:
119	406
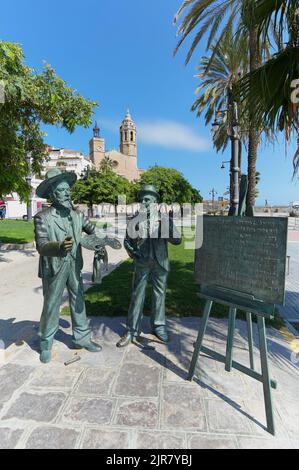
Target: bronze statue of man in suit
58	231
148	234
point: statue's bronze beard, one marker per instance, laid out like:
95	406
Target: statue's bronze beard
64	204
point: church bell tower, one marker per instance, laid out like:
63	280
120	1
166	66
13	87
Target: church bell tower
128	136
97	147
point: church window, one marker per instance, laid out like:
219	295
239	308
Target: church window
132	136
126	135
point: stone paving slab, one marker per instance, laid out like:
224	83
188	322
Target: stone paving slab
137	398
140	381
183	407
33	406
9	437
12	377
137	413
52	437
105	439
88	410
96	381
208	441
160	440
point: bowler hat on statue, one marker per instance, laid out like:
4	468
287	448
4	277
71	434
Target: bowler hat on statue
148	189
54	176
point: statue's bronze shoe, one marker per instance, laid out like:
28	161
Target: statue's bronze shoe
90	346
125	340
161	334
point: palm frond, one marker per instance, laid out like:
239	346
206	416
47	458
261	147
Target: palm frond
268	90
208	16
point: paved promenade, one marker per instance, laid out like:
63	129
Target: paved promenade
133	398
291	309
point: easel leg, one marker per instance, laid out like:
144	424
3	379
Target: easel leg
265	374
250	338
230	339
201	333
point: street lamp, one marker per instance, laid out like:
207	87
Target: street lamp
223	164
28	180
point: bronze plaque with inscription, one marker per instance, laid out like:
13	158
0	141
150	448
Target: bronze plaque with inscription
244	254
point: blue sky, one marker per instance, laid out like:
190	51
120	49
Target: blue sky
119	53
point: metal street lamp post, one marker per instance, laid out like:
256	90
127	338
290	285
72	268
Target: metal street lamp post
29	180
213	193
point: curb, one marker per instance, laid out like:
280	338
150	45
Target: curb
16	246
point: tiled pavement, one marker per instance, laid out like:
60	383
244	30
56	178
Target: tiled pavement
291	309
133	398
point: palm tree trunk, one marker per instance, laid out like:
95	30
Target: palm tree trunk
253	132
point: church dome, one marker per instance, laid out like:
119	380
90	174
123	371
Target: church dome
128	121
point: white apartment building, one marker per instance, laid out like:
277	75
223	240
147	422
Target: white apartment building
66	160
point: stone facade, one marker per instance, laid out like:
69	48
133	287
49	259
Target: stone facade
125	159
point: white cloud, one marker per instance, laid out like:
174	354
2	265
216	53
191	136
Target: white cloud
172	135
163	133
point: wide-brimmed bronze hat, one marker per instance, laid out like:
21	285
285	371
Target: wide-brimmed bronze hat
148	189
54	176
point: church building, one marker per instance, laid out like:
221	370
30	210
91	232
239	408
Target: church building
124	160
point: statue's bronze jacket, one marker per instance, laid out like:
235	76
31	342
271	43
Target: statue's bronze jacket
50	233
139	248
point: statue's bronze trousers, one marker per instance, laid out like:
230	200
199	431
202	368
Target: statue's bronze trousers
158	276
68	277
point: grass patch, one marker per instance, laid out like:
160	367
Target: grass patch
20	231
102	225
16	231
112	297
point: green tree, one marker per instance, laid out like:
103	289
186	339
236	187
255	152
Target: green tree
103	186
31	99
106	165
171	185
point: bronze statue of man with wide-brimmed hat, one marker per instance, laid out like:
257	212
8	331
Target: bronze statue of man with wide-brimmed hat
147	237
58	231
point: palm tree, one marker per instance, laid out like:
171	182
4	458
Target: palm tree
212	17
269	87
219	74
106	165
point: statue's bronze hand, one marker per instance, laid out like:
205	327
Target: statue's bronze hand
67	244
113	243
